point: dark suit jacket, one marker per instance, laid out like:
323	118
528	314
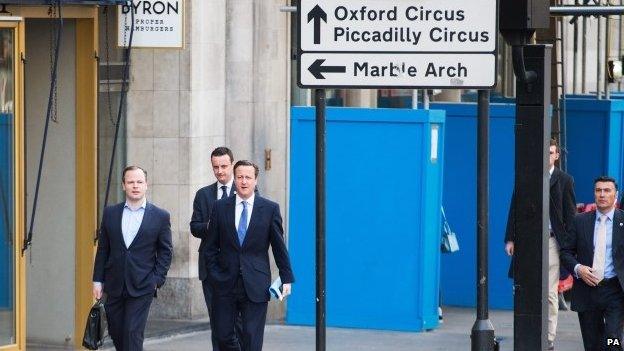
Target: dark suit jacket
579	248
143	266
225	257
562	208
202	206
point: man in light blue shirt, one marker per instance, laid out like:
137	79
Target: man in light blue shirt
594	251
133	256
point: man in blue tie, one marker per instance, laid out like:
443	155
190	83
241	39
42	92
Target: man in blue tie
222	161
241	230
133	256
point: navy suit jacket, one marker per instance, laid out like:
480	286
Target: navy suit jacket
202	206
226	258
579	248
143	266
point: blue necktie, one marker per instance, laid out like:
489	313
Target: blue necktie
224	193
242	224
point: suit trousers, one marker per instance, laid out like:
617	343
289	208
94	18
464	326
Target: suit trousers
127	316
553	287
605	321
207	288
226	308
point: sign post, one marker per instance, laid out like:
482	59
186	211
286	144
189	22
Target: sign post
364	44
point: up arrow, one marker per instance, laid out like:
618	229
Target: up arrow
317	14
317	69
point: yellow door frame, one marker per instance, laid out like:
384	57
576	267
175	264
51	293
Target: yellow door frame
19	278
86	18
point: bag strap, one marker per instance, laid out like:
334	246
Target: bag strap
447	227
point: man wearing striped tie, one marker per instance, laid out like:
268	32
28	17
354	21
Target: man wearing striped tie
594	251
241	229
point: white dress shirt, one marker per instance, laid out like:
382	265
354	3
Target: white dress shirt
131	222
229	188
239	209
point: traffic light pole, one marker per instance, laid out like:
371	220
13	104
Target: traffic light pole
482	335
319	102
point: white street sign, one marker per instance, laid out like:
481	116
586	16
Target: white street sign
157	24
397	70
399	25
397	43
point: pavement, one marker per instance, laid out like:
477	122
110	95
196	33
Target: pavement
453	334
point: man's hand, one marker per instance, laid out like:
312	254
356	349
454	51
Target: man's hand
509	248
587	274
286	290
97	291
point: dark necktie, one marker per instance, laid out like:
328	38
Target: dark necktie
224	193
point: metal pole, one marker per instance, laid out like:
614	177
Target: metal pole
415	99
607	54
482	335
588	10
598	60
584	58
319	101
575	56
620	42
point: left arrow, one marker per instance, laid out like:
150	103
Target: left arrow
317	69
317	14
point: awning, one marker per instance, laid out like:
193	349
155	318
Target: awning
64	2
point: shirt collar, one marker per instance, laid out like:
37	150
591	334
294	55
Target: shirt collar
126	205
551	170
608	214
228	184
250	201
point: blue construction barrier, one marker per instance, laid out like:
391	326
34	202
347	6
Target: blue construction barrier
384	185
6	212
595	131
458	270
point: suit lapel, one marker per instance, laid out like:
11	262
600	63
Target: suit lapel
256	214
146	218
591	224
117	221
214	191
618	227
230	218
554	177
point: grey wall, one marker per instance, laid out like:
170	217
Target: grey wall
51	260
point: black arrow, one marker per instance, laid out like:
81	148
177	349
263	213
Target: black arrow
317	14
317	69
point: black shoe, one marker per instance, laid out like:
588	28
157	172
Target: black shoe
551	345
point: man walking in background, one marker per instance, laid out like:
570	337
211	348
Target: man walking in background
222	161
561	216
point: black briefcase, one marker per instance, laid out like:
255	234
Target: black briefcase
95	331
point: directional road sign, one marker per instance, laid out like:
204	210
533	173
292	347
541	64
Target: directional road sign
397	43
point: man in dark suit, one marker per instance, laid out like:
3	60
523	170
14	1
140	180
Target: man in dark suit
133	256
562	210
239	235
594	251
222	161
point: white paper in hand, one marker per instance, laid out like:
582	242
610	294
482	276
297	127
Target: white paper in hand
276	289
